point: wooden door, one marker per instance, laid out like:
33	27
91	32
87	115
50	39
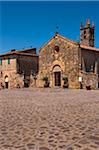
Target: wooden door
57	78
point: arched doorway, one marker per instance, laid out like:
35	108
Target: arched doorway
6	82
57	75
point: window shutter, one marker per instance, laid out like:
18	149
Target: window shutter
8	60
0	61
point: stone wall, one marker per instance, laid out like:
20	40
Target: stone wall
89	79
8	67
8	70
14	79
27	64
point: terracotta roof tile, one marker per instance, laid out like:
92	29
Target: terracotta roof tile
89	48
19	52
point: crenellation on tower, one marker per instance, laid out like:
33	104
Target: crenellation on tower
87	34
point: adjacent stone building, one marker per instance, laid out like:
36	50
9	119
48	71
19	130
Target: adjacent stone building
18	67
61	59
61	63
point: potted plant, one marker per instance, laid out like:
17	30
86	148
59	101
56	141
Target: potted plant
65	85
45	79
88	87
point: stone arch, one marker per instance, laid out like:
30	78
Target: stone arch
6	81
57	63
56	68
6	78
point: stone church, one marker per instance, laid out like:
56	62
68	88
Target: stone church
61	63
61	59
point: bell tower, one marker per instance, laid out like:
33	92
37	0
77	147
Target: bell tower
87	34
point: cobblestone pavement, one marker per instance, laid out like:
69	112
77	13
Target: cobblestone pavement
49	119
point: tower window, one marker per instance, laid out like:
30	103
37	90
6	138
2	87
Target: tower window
84	31
84	36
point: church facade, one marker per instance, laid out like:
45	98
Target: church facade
61	63
62	60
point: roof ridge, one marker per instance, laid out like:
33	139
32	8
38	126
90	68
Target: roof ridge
17	51
69	40
60	37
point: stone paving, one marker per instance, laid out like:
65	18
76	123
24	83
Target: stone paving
49	119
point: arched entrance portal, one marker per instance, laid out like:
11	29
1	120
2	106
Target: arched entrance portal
57	75
6	82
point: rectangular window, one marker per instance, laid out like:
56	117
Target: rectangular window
8	60
0	61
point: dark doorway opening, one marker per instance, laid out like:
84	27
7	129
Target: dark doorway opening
26	81
57	78
6	85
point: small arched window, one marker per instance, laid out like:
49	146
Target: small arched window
56	48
